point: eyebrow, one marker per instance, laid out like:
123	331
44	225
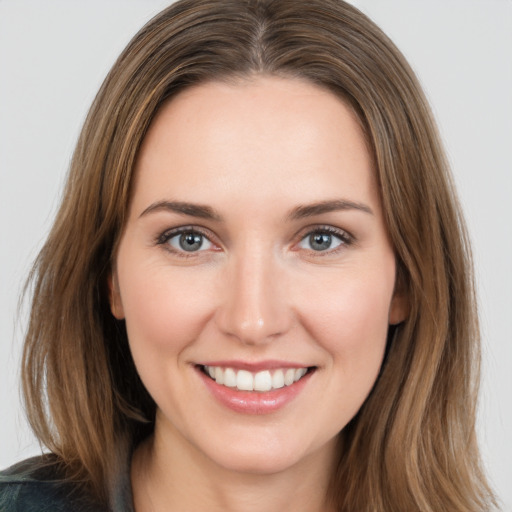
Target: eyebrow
299	212
310	210
191	209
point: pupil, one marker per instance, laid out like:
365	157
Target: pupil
191	241
320	241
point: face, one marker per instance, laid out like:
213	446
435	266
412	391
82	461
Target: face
255	274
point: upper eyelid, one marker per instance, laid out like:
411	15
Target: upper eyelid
318	228
171	232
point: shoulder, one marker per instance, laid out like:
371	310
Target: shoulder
37	485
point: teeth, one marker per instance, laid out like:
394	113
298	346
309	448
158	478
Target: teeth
299	373
265	380
278	379
289	377
244	381
230	378
219	375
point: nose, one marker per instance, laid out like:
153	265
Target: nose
254	308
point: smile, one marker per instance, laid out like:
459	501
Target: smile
244	380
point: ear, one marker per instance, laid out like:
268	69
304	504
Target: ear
114	296
399	310
400	305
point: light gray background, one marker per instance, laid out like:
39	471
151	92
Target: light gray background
54	55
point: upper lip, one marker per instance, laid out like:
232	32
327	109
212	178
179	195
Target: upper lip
254	366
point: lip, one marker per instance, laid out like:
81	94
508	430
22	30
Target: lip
254	402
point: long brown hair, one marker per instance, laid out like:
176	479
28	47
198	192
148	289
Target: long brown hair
412	446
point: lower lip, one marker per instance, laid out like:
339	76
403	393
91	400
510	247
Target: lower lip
254	402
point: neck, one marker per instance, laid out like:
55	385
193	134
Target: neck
169	476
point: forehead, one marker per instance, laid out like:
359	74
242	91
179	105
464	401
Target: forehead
269	136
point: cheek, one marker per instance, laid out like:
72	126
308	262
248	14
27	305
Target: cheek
349	318
164	309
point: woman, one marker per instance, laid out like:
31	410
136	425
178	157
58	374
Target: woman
257	291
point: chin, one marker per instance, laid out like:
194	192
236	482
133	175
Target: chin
257	463
265	457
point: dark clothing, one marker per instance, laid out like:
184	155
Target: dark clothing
33	486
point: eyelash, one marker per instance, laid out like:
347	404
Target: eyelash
164	238
345	238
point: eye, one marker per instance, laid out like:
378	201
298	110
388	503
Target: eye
324	240
186	241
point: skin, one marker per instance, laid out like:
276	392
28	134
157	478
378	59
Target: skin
253	152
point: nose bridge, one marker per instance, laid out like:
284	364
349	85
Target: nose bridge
254	308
